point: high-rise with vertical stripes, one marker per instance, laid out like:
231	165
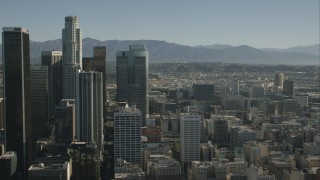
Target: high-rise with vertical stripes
52	59
91	107
71	61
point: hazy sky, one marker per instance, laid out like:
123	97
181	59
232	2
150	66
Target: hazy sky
258	23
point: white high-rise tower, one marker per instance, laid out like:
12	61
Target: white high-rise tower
127	134
71	61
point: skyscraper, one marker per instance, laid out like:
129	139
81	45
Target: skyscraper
71	61
52	59
132	78
256	92
91	107
39	102
127	134
65	130
234	87
1	114
98	63
85	161
240	135
203	92
189	138
17	106
220	131
278	79
288	87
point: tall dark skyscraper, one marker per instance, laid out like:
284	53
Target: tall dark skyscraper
39	102
52	59
16	67
132	78
65	122
288	87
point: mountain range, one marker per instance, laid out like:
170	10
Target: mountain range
162	51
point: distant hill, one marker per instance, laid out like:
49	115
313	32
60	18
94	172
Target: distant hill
214	46
313	49
161	51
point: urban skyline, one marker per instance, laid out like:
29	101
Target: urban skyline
87	117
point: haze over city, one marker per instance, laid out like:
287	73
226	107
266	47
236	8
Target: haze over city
260	24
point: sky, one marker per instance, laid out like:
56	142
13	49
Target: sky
257	23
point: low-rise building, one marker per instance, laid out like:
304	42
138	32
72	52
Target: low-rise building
163	167
8	165
49	171
312	148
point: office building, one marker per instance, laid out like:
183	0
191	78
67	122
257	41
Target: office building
17	106
251	151
230	103
291	105
288	87
163	167
52	59
295	141
234	87
278	79
203	92
201	170
277	167
126	170
39	102
85	161
1	113
240	135
49	171
270	108
256	92
255	173
220	131
207	151
207	170
8	165
65	122
225	90
302	99
232	176
170	125
132	78
71	61
238	166
98	63
312	148
189	138
1	149
91	107
127	134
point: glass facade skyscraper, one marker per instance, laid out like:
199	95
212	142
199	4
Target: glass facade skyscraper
71	61
16	67
132	78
